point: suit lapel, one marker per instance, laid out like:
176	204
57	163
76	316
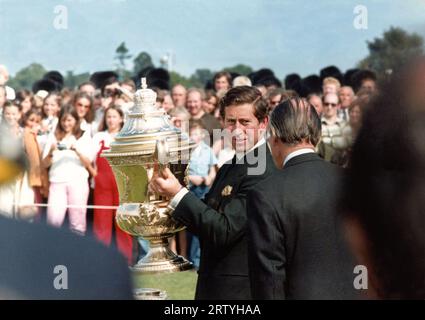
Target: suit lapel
221	175
231	173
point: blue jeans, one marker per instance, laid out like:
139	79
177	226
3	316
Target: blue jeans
195	251
199	191
143	247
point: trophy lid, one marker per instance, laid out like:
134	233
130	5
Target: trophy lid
144	99
145	125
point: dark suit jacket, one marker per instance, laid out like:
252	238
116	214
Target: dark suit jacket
220	223
296	246
29	254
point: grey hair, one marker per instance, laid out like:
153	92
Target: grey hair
295	121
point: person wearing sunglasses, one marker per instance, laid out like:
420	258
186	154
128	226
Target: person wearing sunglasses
334	138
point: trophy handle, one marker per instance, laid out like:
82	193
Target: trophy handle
186	175
162	153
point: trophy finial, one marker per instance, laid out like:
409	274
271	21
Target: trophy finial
144	84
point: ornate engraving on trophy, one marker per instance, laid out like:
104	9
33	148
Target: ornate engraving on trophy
147	143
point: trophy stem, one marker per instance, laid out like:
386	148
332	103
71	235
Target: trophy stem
160	258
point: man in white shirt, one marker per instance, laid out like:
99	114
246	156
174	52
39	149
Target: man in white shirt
334	133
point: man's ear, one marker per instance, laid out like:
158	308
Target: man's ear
264	123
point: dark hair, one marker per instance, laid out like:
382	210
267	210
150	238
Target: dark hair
309	84
102	125
291	81
331	71
89	117
260	74
196	124
385	187
10	104
99	78
361	102
212	94
21	95
295	121
225	74
209	94
28	114
348	77
284	95
160	95
269	82
60	132
360	76
245	94
311	95
56	77
106	83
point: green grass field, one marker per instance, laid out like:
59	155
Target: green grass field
179	285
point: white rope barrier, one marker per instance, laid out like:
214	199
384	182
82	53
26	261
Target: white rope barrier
45	205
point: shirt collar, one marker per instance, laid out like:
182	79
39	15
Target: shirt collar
297	153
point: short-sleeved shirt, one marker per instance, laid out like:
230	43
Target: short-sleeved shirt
66	165
335	135
201	160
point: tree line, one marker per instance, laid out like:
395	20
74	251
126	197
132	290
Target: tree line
386	54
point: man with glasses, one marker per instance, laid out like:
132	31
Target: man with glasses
334	139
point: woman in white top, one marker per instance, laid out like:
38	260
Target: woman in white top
83	104
9	193
49	117
68	153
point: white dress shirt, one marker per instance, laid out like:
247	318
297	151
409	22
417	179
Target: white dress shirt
297	153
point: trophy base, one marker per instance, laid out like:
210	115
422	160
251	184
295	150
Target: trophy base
149	294
160	259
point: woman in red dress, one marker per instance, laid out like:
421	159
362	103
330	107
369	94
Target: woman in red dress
105	189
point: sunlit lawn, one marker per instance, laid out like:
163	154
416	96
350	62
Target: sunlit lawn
179	285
